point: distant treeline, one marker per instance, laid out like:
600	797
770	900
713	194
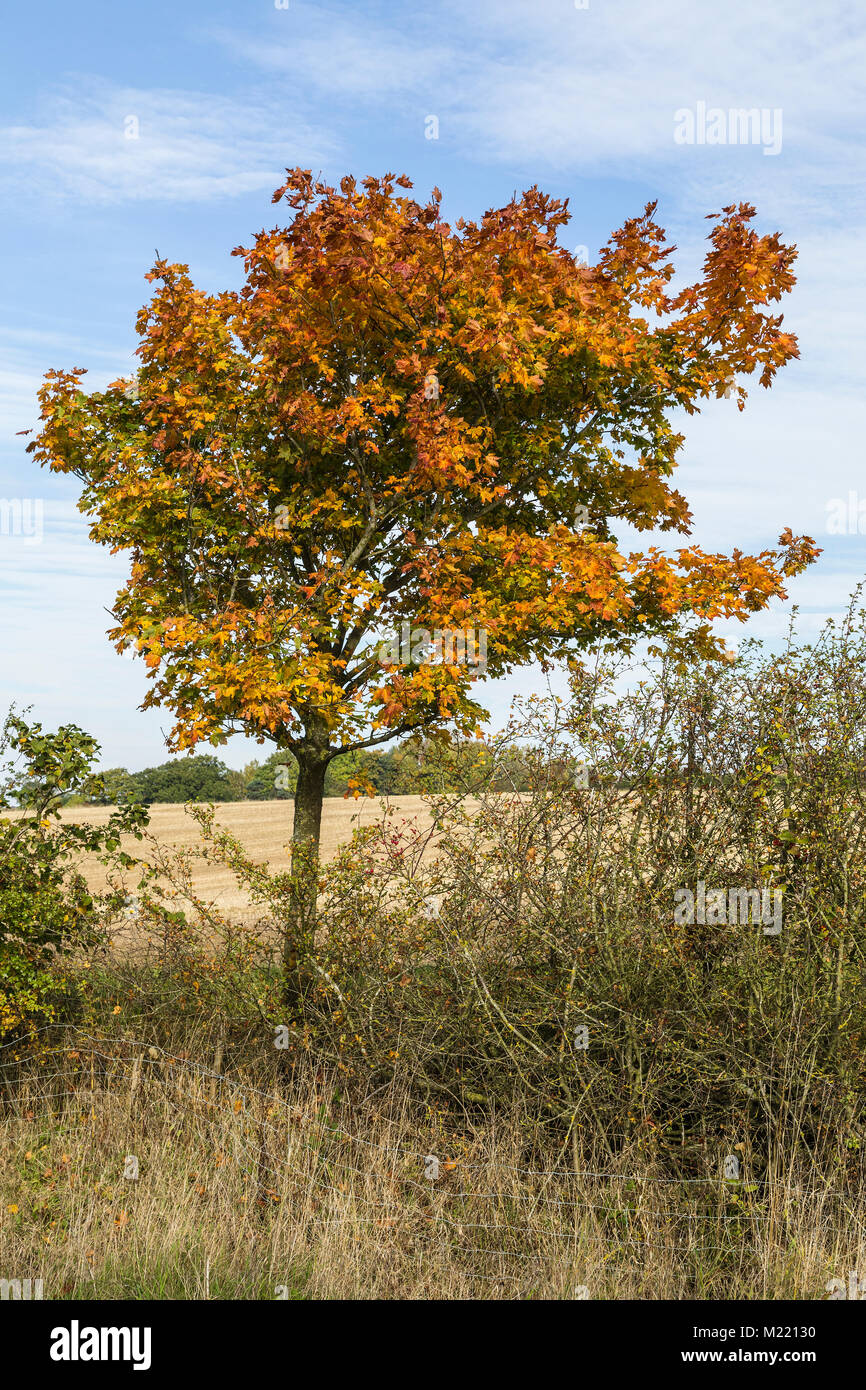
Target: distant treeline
408	769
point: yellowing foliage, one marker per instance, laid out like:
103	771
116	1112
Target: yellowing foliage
396	419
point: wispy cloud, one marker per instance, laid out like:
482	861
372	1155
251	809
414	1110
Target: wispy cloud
105	144
341	53
595	89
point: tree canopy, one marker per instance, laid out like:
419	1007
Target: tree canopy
399	420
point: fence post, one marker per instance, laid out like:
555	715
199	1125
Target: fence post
217	1067
135	1082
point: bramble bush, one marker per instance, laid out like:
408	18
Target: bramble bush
528	947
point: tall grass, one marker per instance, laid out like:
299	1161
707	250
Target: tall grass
283	1191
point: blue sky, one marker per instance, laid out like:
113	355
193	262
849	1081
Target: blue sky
583	101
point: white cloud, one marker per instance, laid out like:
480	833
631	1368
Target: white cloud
338	54
588	89
104	144
596	90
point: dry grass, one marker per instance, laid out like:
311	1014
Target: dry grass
258	1193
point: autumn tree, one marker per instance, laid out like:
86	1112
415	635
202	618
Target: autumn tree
397	420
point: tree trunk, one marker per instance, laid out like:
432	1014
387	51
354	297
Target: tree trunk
310	793
306	832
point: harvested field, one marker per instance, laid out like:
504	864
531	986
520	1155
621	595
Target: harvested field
263	827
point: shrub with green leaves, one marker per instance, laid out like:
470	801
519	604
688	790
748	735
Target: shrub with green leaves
46	909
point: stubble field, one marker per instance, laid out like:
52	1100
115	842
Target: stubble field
264	828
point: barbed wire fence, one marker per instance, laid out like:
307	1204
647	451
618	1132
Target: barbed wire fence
518	1217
